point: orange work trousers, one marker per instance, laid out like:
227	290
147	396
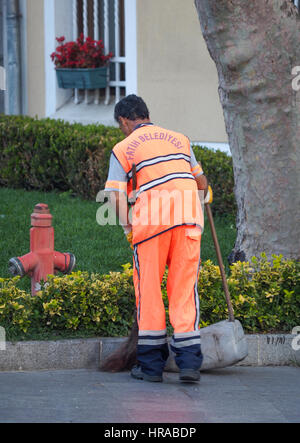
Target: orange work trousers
179	249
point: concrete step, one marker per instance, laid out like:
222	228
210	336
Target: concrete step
263	350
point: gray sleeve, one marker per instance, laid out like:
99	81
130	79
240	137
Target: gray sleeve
195	165
117	177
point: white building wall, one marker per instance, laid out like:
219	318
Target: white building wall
58	22
176	75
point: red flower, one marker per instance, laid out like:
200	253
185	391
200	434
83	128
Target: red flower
82	53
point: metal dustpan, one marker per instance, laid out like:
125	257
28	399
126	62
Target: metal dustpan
223	343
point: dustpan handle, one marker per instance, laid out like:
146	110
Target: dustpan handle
220	261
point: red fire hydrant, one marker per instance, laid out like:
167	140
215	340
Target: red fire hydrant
42	259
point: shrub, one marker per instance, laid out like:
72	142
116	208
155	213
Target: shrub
218	168
52	154
97	304
275	288
265	297
15	306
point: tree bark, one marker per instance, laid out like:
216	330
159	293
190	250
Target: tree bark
255	46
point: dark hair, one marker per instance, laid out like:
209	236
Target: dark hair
131	107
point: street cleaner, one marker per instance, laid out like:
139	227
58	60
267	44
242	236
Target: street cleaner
157	170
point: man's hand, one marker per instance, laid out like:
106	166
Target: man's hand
129	238
202	184
128	232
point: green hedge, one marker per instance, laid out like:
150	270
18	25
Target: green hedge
53	154
265	296
218	168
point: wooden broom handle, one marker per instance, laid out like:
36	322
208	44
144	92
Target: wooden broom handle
220	261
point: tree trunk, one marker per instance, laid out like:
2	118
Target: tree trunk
255	46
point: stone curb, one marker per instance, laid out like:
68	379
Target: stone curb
263	350
272	350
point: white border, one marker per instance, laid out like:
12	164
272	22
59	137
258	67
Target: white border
49	45
50	76
131	46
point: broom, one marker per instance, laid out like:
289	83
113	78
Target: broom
124	358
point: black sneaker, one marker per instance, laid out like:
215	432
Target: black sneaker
136	372
189	375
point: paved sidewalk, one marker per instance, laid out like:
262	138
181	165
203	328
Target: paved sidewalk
237	394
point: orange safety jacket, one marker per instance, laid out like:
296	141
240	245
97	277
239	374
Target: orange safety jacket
166	194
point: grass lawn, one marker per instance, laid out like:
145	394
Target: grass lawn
97	248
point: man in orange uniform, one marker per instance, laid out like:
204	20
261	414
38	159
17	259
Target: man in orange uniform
166	228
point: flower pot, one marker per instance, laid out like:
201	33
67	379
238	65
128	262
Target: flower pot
89	78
